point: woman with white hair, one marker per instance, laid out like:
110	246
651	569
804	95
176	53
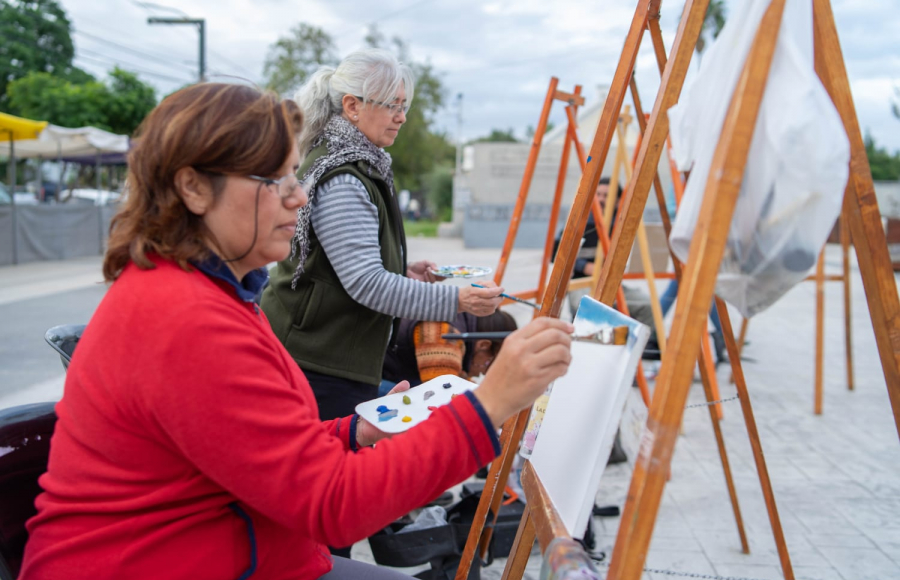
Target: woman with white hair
333	303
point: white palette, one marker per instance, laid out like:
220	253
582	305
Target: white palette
579	426
417	410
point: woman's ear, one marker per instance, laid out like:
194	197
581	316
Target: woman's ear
483	345
351	106
195	190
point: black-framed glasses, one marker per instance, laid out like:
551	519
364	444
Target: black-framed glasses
394	108
284	186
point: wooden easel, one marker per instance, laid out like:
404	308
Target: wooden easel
646	16
573	100
705	253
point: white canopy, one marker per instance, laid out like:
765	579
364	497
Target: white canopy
63	142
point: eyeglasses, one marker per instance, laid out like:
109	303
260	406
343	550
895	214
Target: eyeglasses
285	186
394	108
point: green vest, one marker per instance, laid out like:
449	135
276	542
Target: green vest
319	324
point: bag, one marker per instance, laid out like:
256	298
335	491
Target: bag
797	166
440	546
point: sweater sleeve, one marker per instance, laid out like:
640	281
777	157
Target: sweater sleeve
236	407
346	224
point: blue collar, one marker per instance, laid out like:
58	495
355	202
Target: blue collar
247	289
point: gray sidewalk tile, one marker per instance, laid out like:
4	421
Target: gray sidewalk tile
861	564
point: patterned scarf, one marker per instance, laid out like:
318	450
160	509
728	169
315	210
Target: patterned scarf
345	144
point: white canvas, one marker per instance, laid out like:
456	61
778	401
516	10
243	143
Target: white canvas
579	426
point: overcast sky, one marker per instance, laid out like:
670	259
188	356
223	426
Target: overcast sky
499	54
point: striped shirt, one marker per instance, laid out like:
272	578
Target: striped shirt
346	224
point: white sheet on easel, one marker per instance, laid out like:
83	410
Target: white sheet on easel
579	425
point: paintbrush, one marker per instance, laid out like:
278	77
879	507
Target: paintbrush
618	335
532	304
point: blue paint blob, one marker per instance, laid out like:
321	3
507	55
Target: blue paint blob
589	160
387	415
382	408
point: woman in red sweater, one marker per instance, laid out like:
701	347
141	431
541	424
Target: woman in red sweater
188	443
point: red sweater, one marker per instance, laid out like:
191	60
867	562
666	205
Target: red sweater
179	404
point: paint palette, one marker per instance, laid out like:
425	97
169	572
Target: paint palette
398	412
461	271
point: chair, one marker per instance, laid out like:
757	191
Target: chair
63	339
25	433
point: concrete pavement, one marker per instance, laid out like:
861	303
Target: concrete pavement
836	477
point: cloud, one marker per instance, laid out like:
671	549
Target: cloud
500	54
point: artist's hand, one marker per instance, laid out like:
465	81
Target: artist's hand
480	301
531	358
423	271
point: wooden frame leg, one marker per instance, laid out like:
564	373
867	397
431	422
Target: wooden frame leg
848	310
521	549
820	333
750	422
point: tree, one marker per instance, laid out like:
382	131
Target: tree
293	58
418	151
885	167
499	136
713	22
35	36
119	106
529	132
895	106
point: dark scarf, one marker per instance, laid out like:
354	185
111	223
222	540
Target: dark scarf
345	144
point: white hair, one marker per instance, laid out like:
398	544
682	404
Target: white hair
373	74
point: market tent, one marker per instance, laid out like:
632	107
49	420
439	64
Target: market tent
14	129
56	142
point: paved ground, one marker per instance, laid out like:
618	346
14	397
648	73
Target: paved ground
836	477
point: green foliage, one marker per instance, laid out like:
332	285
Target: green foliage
713	22
418	149
439	192
35	36
895	106
499	136
420	228
529	132
293	58
885	166
119	106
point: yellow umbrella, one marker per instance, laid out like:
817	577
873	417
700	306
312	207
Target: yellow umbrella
13	129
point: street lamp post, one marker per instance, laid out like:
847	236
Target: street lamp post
201	27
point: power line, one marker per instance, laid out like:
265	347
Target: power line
106	61
388	15
168	61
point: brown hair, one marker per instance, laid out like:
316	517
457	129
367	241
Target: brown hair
498	321
218	129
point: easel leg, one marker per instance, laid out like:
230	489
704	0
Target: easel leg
521	549
526	183
861	207
715	417
571	136
820	334
848	326
493	487
708	365
740	342
750	421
